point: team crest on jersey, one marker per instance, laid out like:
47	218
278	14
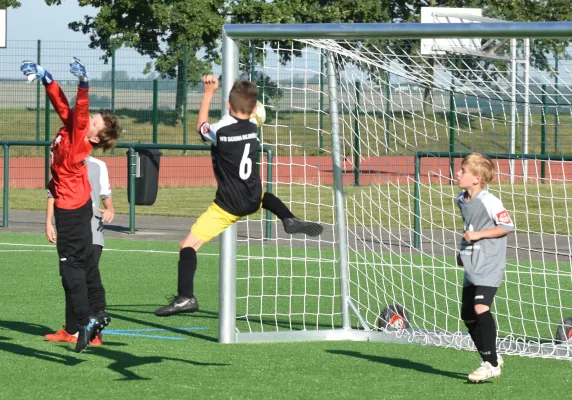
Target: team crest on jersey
503	217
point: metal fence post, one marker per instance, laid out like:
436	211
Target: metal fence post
417	204
556	119
185	89
357	149
113	79
543	132
269	160
5	205
452	130
321	111
131	183
38	90
155	109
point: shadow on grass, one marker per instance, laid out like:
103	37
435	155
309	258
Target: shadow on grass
36	330
192	334
38	354
26	327
124	362
401	363
125	308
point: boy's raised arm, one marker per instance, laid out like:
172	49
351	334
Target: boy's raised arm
81	109
57	97
210	84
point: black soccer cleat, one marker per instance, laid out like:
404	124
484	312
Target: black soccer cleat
295	225
178	304
103	319
86	334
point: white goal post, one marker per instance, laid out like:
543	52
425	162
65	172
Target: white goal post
390	239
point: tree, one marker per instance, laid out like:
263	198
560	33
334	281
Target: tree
9	4
169	32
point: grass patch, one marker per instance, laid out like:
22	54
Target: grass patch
180	355
534	208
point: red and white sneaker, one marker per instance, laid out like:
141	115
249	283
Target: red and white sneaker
61	336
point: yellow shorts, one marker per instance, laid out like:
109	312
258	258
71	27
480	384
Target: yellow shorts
212	223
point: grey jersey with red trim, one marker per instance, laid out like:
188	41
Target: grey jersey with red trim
485	259
100	189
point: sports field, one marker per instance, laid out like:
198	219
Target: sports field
180	357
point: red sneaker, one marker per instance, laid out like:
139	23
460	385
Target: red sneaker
61	336
98	341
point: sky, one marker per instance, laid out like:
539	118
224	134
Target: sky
35	20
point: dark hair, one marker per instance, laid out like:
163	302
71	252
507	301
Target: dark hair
110	133
243	96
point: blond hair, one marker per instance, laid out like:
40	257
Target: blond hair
480	165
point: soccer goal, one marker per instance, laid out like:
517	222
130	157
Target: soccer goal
367	123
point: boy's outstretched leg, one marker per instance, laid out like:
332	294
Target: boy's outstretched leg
185	300
291	224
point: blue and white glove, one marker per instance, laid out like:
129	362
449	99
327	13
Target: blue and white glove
78	69
34	72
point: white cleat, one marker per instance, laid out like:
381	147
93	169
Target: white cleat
500	361
484	372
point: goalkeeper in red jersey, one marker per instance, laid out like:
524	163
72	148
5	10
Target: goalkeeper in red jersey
71	189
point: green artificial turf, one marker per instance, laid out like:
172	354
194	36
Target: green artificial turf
180	357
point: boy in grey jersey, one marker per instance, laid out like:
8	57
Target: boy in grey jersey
483	255
100	191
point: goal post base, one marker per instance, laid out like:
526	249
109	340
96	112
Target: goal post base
459	340
407	336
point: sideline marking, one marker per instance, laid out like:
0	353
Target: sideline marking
143	336
131	332
53	247
194	328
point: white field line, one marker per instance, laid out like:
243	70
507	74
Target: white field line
53	249
526	270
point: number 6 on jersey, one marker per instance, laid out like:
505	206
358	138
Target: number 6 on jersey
245	168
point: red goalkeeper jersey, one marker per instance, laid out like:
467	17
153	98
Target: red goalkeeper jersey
70	183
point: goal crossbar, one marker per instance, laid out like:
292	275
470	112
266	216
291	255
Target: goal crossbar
513	30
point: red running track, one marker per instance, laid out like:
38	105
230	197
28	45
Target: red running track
28	172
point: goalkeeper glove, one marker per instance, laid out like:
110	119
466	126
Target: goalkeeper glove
34	72
78	69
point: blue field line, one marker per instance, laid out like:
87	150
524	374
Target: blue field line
119	331
140	335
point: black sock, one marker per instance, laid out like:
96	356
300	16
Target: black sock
475	334
275	206
486	326
187	268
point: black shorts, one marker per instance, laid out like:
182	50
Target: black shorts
473	295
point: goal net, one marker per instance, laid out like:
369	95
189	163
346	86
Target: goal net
404	120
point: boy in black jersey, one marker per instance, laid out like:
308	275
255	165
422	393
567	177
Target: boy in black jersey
239	188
